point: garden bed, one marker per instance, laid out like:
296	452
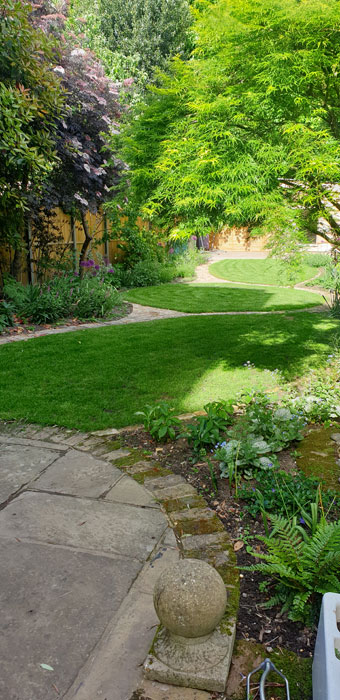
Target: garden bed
265	626
26	328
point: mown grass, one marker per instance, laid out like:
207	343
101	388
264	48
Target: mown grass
199	298
261	272
94	379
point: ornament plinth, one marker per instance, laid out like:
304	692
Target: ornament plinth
190	649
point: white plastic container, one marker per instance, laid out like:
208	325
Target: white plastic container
326	665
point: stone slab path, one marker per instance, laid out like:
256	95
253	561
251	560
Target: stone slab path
81	545
86	528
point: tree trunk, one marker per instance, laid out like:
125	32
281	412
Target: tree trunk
15	267
86	243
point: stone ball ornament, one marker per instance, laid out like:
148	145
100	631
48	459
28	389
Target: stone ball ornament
190	599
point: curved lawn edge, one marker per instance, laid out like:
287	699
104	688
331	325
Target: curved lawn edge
223	298
257	272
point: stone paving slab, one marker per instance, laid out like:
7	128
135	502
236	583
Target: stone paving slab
110	672
10	440
55	607
19	464
128	491
78	474
112	528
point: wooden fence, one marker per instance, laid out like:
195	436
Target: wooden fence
68	244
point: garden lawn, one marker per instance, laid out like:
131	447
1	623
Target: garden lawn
95	379
266	271
200	298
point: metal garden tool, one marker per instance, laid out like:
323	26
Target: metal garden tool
267	667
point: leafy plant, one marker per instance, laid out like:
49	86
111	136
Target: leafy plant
63	296
241	456
262	431
31	100
6	315
207	430
283	493
302	563
319	399
159	420
209	148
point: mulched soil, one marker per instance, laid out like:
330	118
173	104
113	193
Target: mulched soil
268	627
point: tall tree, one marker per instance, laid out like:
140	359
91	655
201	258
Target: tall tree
31	98
248	131
150	30
82	179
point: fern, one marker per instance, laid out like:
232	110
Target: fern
302	563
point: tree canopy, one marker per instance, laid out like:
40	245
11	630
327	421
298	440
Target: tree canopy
31	98
150	30
247	131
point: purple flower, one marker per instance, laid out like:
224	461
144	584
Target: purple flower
302	521
273	490
111	270
96	267
76	274
83	263
91	263
171	251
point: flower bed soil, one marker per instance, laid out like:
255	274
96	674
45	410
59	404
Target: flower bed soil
265	626
27	328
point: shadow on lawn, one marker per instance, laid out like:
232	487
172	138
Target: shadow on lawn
93	379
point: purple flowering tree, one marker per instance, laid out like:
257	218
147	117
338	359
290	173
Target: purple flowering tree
87	170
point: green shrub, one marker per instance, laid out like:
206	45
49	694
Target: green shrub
317	259
302	563
15	292
159	420
186	263
144	274
6	315
93	298
61	297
